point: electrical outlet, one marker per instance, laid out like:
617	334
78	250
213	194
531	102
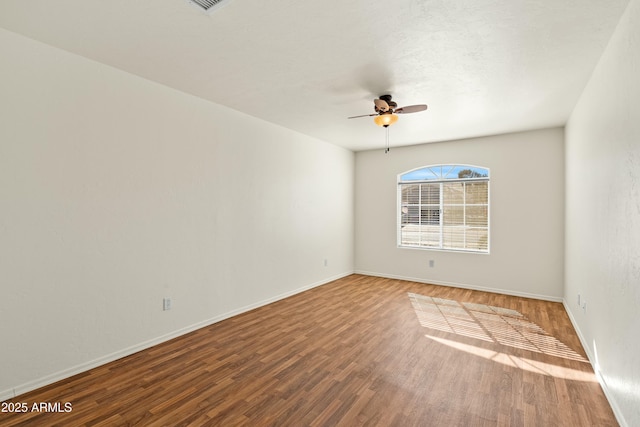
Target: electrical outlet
166	304
432	263
579	302
326	262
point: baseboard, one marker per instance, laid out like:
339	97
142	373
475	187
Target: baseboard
464	286
596	369
67	373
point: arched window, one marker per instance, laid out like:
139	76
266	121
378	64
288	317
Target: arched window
444	207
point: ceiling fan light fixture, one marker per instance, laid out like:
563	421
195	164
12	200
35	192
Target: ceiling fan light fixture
385	120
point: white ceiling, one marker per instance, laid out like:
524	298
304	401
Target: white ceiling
483	66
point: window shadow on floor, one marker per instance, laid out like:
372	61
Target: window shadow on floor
505	329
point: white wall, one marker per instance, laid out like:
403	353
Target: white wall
526	212
603	217
116	192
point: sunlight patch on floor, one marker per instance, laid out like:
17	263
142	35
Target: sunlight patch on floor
534	366
488	323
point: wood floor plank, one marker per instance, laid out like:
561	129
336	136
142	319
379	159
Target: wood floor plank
359	351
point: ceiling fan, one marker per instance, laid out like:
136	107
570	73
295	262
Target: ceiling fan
386	113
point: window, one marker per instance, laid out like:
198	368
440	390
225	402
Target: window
444	207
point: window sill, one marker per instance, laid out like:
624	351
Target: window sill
426	248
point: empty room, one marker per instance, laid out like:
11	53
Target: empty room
289	213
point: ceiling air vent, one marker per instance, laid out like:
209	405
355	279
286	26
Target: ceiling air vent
208	5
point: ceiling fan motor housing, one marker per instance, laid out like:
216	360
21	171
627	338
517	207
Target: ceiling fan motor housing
388	108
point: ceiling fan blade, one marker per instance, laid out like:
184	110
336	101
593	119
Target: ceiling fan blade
381	105
364	115
411	109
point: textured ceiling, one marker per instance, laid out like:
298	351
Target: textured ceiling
483	66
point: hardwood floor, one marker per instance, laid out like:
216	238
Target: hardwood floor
358	351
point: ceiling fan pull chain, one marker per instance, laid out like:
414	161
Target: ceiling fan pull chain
386	149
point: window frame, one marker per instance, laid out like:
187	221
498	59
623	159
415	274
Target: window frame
441	181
